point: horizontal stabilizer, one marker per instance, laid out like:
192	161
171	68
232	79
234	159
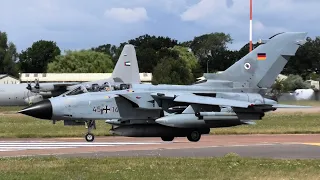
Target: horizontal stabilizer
289	106
211	101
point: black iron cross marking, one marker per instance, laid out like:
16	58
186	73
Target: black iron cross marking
105	109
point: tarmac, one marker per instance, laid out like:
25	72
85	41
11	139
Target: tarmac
283	146
269	146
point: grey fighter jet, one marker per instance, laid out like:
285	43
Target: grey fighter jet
125	71
230	99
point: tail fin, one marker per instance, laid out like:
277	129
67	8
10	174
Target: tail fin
127	68
261	66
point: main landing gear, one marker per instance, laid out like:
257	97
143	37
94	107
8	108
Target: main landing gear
91	125
167	138
193	136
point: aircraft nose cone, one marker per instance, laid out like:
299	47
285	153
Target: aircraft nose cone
41	110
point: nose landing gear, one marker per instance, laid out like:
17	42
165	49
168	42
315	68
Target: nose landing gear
89	137
91	125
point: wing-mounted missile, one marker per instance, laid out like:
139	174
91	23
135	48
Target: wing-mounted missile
201	114
212	119
177	109
212	116
193	121
227	115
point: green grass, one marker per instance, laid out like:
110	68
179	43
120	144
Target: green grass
228	167
14	125
21	126
10	109
302	103
278	123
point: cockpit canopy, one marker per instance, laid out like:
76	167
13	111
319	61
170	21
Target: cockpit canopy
96	88
122	87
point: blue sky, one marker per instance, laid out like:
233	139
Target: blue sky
82	24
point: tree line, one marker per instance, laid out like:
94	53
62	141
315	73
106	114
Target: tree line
170	61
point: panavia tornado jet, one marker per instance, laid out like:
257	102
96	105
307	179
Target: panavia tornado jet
227	99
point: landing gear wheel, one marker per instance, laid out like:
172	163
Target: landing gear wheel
194	136
89	137
167	138
91	125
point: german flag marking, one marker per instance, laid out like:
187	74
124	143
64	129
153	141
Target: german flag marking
261	56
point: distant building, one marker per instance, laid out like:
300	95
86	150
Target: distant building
73	77
7	79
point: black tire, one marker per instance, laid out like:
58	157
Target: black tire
194	136
89	137
167	138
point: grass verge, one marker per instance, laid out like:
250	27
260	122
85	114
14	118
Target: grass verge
302	103
20	126
278	123
14	125
229	167
10	109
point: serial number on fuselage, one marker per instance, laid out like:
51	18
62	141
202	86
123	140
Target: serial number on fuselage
105	109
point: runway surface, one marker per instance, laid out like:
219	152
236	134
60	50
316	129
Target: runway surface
271	146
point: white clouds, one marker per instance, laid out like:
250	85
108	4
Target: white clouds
75	24
275	8
269	16
127	15
168	6
201	10
174	6
261	30
283	8
258	26
215	14
215	10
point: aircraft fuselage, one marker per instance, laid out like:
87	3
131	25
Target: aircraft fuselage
14	95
